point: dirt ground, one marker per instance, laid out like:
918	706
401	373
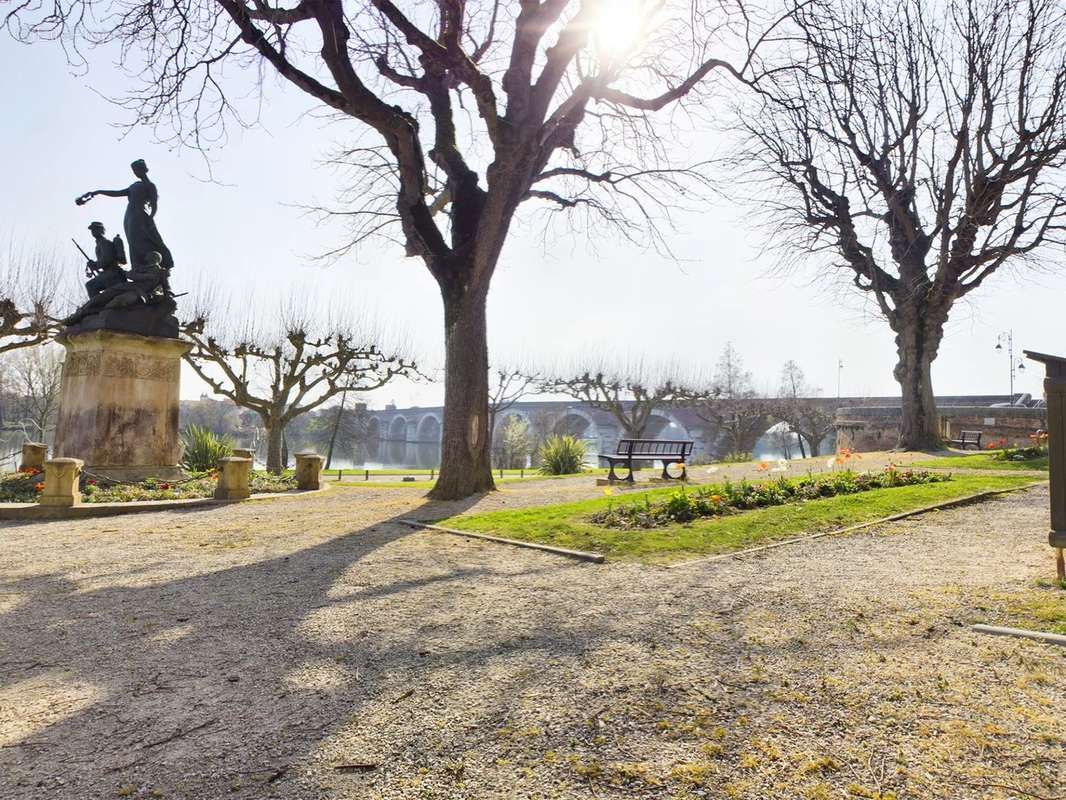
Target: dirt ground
316	648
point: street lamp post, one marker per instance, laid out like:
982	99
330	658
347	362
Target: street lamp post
1008	337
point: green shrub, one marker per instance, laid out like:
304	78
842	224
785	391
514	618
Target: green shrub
203	448
562	455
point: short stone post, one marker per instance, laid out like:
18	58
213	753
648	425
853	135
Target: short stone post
243	452
33	455
234	479
61	482
308	470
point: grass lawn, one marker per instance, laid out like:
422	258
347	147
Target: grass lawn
568	525
1039	609
980	461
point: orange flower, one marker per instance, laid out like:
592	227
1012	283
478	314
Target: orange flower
38	487
716	498
763	466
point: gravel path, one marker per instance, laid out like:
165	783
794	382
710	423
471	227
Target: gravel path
314	648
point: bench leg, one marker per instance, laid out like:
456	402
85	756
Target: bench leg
611	476
629	464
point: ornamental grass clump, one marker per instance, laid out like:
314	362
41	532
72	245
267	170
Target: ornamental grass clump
562	455
729	498
202	448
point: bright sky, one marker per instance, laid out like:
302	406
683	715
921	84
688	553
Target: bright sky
551	301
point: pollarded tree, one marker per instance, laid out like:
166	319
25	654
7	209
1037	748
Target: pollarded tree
510	385
564	91
631	393
812	421
283	373
732	405
919	150
29	280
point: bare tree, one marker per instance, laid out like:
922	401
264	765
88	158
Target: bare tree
631	393
288	371
565	94
808	417
29	281
36	379
731	403
511	384
918	150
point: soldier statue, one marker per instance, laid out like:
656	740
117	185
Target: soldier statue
145	284
106	269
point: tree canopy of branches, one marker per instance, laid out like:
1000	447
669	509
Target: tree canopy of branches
630	393
511	384
284	373
809	419
732	405
28	286
918	148
470	109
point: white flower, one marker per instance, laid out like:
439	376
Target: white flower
829	464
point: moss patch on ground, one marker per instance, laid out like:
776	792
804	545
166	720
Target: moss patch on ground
568	525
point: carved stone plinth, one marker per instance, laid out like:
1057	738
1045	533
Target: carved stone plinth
309	470
234	479
118	410
61	482
33	455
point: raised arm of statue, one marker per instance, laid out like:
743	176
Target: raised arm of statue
85	198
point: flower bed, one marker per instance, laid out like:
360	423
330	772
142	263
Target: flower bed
26	487
729	498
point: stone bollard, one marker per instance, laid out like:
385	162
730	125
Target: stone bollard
61	482
33	455
234	479
243	452
308	470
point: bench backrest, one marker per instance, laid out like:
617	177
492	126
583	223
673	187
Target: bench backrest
970	436
653	447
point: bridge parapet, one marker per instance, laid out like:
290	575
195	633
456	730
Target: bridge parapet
869	428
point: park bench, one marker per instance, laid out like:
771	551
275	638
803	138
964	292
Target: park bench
630	451
967	439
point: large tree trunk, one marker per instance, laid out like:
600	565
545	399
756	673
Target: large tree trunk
275	458
917	342
465	466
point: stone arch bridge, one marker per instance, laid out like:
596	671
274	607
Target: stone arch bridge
600	430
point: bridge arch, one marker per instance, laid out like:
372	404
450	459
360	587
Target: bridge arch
398	428
429	428
575	422
665	426
373	428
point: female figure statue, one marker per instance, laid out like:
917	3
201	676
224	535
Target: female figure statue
142	236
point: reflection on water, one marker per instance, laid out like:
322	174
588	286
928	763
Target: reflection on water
376	454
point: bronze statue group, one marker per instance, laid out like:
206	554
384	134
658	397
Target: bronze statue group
148	279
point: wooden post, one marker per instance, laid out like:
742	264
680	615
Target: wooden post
366	476
1055	393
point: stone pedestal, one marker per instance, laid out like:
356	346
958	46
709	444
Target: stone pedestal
234	479
243	452
308	470
118	409
33	455
61	482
